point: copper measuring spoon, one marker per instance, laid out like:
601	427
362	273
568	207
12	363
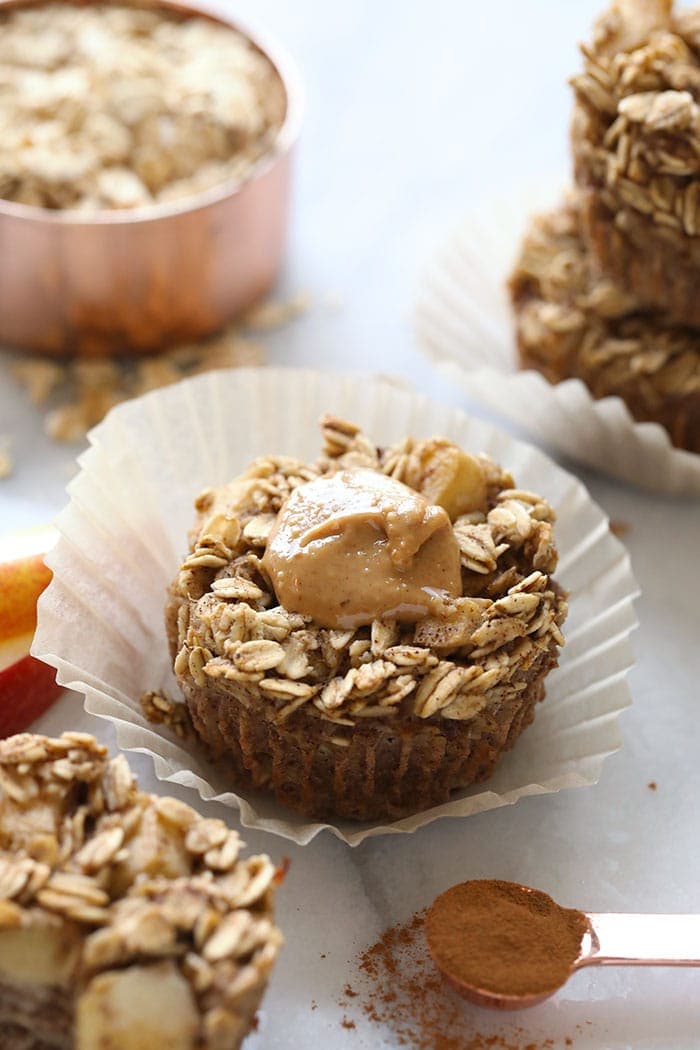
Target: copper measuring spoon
611	939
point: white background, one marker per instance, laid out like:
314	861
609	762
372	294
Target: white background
416	111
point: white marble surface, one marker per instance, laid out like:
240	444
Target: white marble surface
415	110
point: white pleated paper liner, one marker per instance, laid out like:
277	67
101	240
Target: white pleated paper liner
464	323
123	535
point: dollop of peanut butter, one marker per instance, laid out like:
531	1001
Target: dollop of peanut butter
359	546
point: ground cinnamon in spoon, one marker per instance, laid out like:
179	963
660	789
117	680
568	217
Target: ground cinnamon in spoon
504	938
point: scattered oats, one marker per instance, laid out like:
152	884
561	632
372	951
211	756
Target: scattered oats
6	464
71	422
39	378
87	390
276	313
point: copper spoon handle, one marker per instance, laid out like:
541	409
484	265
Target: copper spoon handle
641	940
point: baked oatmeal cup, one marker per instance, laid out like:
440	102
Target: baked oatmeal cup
364	635
636	145
127	921
571	321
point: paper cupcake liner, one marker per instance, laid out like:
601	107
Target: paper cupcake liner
464	323
123	535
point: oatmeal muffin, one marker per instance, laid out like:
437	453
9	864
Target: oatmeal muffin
636	144
363	635
573	322
126	920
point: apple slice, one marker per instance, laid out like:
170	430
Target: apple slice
27	686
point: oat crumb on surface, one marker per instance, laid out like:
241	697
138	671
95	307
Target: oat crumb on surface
274	313
6	462
39	378
76	394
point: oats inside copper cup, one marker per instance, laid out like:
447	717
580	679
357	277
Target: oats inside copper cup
121	107
144	170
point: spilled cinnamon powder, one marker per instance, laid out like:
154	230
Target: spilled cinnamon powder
620	528
397	986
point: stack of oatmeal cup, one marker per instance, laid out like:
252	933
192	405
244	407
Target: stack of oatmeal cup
607	287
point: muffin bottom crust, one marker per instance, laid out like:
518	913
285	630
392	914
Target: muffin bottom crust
386	771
